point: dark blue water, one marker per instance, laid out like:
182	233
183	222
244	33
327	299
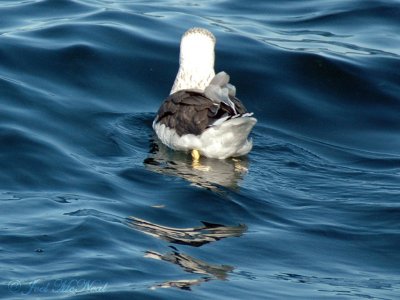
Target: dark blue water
92	206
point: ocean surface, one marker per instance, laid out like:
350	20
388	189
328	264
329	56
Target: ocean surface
92	206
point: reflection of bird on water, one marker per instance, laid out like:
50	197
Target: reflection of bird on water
193	236
202	113
184	284
190	265
205	172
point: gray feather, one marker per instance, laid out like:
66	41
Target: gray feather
220	90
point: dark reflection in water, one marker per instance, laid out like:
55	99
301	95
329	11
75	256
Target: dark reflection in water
184	284
193	236
205	172
190	265
196	236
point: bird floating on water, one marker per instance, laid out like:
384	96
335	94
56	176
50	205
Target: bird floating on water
202	113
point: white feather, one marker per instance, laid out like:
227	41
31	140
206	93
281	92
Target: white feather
228	139
196	60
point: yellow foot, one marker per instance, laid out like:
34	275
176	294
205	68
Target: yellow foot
195	154
196	162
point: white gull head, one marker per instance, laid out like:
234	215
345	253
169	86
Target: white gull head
196	60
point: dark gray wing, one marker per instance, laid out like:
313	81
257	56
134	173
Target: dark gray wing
191	112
